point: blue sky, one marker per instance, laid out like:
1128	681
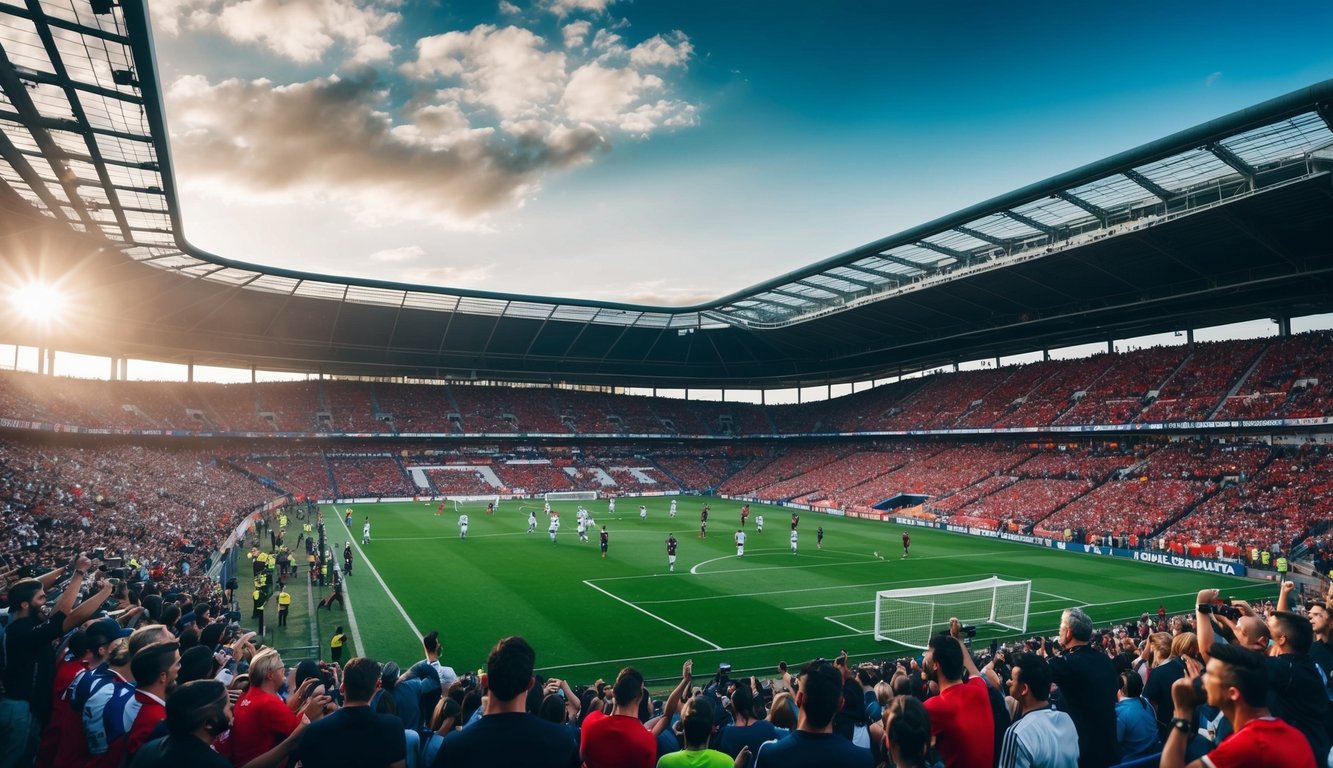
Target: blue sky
665	151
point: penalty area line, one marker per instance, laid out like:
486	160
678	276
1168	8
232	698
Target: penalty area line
652	615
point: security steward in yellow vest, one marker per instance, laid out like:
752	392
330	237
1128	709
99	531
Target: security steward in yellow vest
284	603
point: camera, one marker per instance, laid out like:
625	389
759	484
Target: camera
968	630
469	681
723	673
1228	610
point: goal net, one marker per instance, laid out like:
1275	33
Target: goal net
571	496
910	616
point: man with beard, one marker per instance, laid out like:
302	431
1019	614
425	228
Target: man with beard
154	669
30	638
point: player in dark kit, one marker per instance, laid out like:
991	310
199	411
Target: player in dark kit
671	552
606	539
795	520
819	537
907	542
745	514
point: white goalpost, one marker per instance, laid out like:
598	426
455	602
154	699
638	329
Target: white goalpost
909	616
570	496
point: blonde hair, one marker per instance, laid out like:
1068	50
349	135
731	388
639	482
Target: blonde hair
1161	645
1185	644
264	662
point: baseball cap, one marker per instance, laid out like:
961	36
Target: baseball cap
104	631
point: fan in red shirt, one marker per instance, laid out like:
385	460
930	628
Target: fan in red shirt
261	720
620	739
154	669
960	716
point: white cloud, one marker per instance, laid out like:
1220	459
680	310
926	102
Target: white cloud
505	69
509	9
329	142
658	51
300	30
393	255
563	8
1212	78
575	33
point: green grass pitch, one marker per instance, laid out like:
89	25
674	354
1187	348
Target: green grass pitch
587	616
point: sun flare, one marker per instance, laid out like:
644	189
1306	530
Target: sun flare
38	302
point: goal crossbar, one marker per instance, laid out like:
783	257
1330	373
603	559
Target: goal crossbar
909	615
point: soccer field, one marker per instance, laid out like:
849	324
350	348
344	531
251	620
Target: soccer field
589	616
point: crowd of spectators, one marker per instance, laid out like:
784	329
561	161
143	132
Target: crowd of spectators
151	511
174	680
1271	378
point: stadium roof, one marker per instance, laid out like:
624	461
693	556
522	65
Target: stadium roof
1230	220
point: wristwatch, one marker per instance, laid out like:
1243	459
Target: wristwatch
80	572
1204	608
1182	725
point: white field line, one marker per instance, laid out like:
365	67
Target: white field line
652	615
366	561
848	626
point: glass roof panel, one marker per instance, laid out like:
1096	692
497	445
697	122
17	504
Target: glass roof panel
1113	193
959	241
49	100
574	312
274	284
528	309
380	296
477	305
23	46
232	276
882	265
317	289
1002	227
433	301
1288	139
849	274
1053	211
1186	170
835	283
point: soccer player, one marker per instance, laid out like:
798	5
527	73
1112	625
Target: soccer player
759	524
462	526
347	519
819	537
490	507
606	539
611	505
439	510
795	520
793	541
643	513
673	508
582	527
532	522
745	514
907	542
365	531
553	527
547	507
671	552
740	543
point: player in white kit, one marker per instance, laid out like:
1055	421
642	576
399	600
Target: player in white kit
583	530
532	522
643	512
759	524
793	541
740	543
673	508
462	526
553	527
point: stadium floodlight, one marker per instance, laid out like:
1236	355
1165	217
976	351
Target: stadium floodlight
571	496
41	303
909	616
